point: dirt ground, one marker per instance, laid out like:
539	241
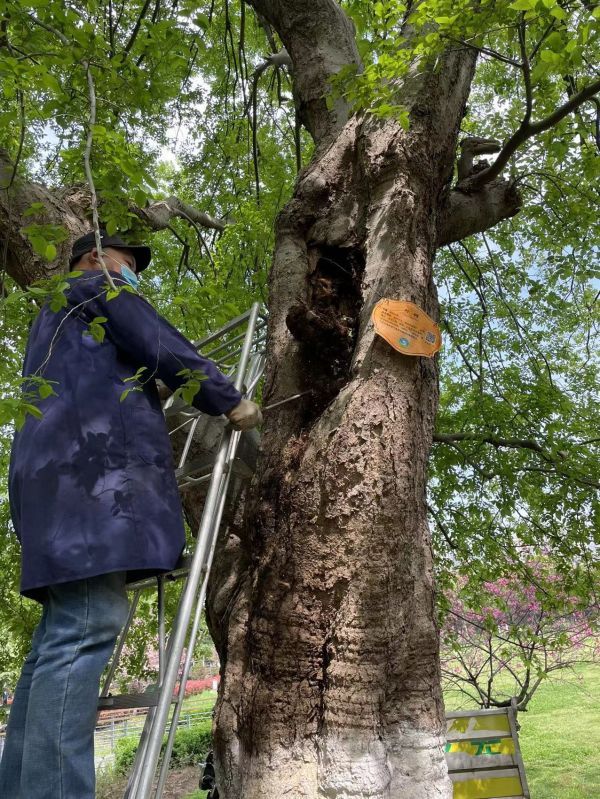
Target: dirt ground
180	784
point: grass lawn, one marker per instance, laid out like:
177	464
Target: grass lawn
560	737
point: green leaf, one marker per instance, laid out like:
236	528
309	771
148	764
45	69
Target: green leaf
34	209
57	302
549	57
50	252
39	244
523	5
202	21
111	226
46	390
33	410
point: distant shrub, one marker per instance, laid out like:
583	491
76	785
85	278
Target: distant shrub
191	746
125	754
193	687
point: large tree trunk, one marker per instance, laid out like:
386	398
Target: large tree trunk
330	659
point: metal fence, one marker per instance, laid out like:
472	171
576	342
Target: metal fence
111	731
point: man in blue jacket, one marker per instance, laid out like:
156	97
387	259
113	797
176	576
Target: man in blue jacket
93	500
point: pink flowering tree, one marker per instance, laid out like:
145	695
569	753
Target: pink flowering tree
504	638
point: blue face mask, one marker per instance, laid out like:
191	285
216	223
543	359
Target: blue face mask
130	276
126	273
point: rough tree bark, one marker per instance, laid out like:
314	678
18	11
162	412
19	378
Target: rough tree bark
329	644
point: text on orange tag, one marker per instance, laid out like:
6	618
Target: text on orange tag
406	327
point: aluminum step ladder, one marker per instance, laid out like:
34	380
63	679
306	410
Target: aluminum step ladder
241	356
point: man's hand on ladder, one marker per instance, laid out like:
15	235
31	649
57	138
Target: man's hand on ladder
245	416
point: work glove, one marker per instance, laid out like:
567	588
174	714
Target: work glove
245	416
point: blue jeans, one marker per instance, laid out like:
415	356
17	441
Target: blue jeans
49	750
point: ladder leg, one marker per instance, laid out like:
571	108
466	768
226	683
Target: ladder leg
164	770
166	758
138	763
160	584
120	644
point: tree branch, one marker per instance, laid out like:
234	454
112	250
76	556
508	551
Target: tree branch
466	214
485	51
495	441
526	71
50	29
526	131
137	26
159	214
90	177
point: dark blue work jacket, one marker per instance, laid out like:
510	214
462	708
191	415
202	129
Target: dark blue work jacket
92	485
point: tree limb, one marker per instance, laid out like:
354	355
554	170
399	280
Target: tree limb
158	215
525	131
70	209
495	441
50	29
485	51
137	26
466	214
526	71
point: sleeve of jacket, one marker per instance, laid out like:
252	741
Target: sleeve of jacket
138	330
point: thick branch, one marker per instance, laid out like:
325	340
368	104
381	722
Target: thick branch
466	214
50	29
137	26
158	215
515	443
70	209
495	441
320	40
526	131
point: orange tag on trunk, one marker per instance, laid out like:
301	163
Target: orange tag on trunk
406	327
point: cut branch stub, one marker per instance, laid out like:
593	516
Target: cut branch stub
158	215
469	149
466	214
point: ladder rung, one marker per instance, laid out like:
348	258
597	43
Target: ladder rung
200	464
126	701
180	570
205	465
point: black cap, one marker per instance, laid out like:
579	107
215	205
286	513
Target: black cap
141	253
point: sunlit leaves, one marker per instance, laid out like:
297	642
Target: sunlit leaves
395	40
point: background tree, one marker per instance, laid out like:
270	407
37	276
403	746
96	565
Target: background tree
519	635
328	639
